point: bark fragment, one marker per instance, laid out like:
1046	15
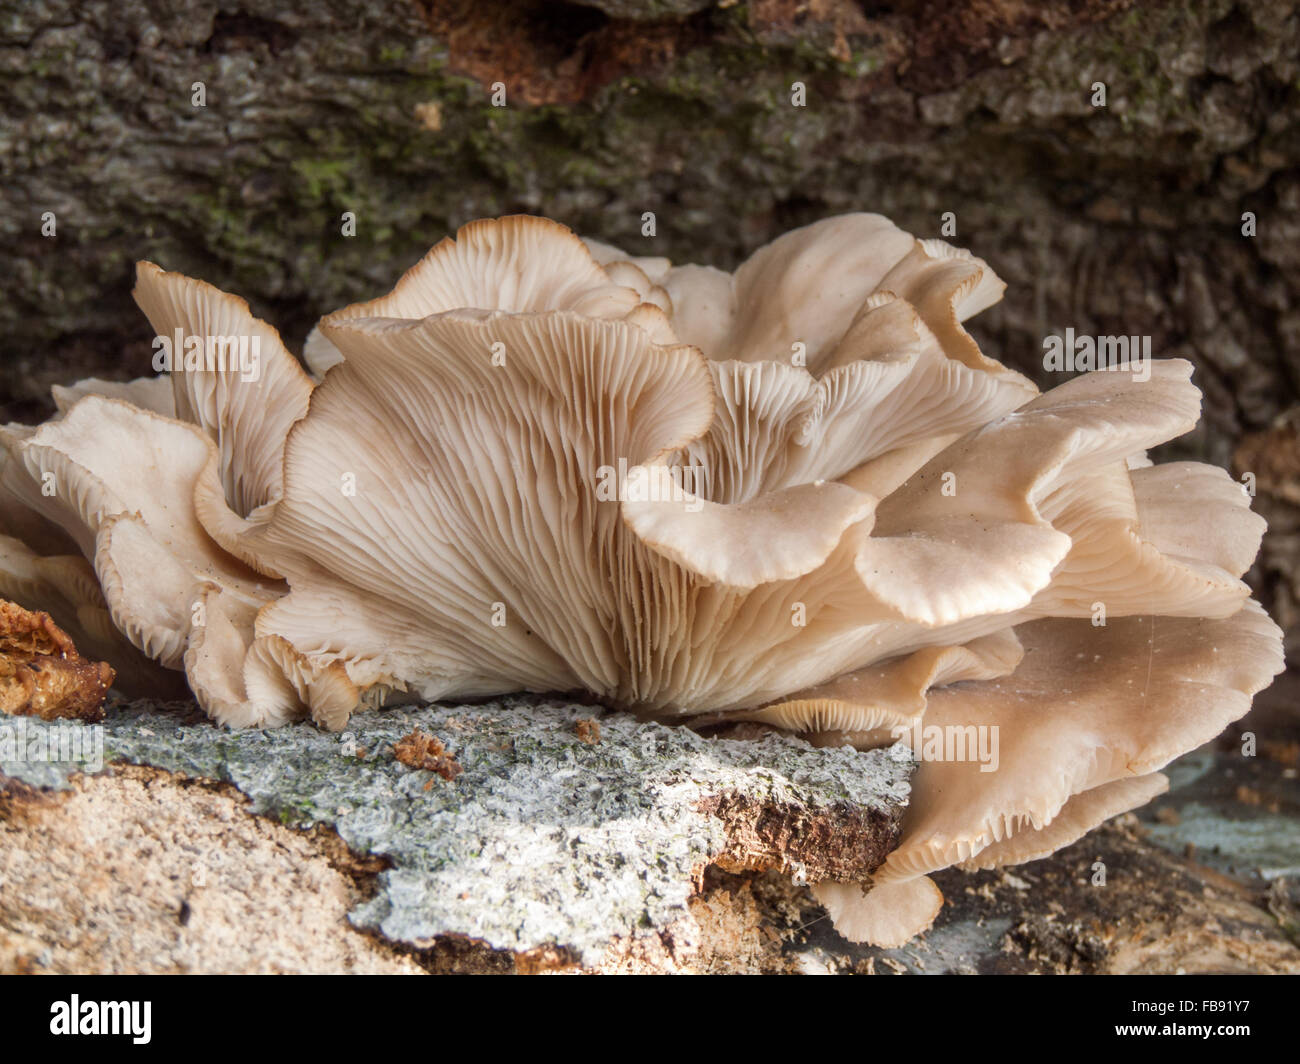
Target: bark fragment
41	673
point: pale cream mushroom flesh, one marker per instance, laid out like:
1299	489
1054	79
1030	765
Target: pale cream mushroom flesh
798	494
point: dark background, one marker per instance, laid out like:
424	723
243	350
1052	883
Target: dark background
1123	219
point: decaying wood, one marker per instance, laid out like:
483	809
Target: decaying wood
41	673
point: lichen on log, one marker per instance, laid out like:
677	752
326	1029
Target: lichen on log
542	841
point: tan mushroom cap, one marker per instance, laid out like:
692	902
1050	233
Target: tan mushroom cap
65	586
709	541
953	566
243	679
1193	510
148	393
887	914
948	285
246	414
778	426
984	545
124	480
520	264
1080	814
1088	706
804	287
29	510
1126	555
887	696
466	511
810	287
892	912
1190	678
778	536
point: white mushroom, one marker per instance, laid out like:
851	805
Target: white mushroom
799	495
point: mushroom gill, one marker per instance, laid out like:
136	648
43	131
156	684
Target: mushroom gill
798	494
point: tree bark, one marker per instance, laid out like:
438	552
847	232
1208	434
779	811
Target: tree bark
1128	218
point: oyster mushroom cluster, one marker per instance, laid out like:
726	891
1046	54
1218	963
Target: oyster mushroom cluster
798	494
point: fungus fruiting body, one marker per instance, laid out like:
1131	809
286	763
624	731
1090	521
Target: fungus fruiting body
798	495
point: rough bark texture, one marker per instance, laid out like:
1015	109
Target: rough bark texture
842	842
164	873
1118	219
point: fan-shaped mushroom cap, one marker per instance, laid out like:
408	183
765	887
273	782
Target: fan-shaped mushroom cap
1088	706
65	587
804	287
986	547
777	536
947	285
865	707
887	915
1080	814
811	285
245	405
123	485
893	911
1192	510
1190	677
1116	538
900	378
29	510
520	264
778	426
480	481
148	393
243	679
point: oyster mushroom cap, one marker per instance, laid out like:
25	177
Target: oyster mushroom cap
66	587
804	287
124	482
867	707
889	915
1089	708
809	287
245	404
1081	813
520	264
501	506
148	393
